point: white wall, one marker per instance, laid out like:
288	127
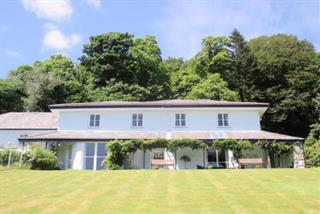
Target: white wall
12	136
197	120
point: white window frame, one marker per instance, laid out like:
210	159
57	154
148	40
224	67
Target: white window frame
137	120
94	120
223	120
94	156
180	120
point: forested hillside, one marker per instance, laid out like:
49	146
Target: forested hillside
279	69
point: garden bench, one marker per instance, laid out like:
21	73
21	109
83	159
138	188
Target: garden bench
250	162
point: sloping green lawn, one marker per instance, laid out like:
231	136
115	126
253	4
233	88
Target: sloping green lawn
151	191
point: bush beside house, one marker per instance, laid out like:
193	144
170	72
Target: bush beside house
312	147
36	158
44	160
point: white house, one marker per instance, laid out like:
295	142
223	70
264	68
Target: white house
83	130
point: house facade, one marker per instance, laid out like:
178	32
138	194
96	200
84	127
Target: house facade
83	130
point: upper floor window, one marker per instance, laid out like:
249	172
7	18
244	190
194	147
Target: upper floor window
137	120
180	120
94	120
223	120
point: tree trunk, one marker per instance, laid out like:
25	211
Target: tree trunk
204	158
144	158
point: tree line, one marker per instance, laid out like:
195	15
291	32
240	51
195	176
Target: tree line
279	69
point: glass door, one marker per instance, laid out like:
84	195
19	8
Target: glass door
216	158
94	155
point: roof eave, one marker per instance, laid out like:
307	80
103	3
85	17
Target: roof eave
262	105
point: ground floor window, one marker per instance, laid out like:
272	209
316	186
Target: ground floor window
216	158
95	153
159	155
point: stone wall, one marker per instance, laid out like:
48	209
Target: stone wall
298	155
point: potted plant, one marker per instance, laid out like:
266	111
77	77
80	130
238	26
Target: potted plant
185	159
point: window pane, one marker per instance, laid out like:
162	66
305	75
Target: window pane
220	123
89	163
101	149
177	122
177	116
134	120
91	120
140	120
97	120
183	116
99	164
225	117
219	116
89	149
183	122
134	116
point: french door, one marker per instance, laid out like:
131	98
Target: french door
216	158
95	153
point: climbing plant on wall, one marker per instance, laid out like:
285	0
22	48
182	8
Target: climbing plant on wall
234	145
118	149
275	148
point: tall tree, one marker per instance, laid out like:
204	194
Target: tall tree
214	57
243	65
76	80
10	96
214	88
287	76
108	56
182	82
120	57
116	90
172	64
148	71
42	89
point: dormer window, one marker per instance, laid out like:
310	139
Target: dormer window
180	120
223	120
94	120
137	120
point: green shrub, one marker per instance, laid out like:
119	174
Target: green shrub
44	160
4	156
116	155
312	147
236	146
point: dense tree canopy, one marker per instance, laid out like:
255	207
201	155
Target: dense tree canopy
280	69
214	88
10	97
287	76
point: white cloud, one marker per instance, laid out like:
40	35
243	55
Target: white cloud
94	3
184	24
55	39
12	53
55	10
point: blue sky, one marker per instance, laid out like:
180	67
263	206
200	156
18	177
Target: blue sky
34	29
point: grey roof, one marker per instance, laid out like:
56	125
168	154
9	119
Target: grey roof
159	104
28	120
204	135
